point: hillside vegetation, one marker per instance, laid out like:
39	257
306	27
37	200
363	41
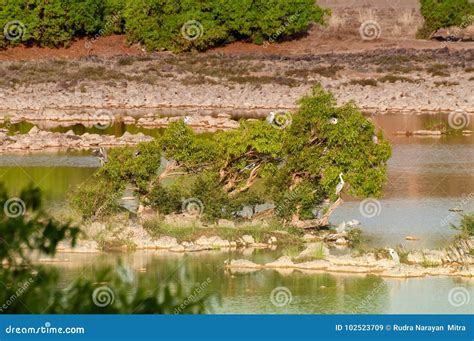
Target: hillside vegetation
176	25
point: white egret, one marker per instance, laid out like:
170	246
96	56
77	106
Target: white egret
271	117
340	185
187	119
353	222
333	120
101	154
375	139
394	255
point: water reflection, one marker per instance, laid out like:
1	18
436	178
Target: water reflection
250	292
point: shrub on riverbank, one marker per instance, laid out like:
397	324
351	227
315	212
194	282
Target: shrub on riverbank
159	25
298	163
467	224
445	13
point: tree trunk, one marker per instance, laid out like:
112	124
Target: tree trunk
312	223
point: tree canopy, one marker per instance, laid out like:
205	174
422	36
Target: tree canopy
175	25
296	167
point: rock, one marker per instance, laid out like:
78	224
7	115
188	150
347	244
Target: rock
243	263
33	131
218	242
177	248
248	239
427	133
309	237
166	242
187	244
225	223
415	257
272	240
434	257
312	248
282	262
342	241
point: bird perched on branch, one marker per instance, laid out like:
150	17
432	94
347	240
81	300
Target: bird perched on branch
340	185
101	154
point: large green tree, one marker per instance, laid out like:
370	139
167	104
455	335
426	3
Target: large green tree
295	163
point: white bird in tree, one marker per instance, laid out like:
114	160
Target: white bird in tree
101	154
394	256
340	185
271	117
375	139
187	119
333	120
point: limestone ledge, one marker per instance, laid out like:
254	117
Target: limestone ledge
366	264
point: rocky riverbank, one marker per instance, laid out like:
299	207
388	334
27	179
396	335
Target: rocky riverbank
40	141
145	88
318	252
418	263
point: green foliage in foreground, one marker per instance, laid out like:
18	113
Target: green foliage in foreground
26	288
176	25
445	13
467	224
296	168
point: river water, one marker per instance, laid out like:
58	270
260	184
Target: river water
427	177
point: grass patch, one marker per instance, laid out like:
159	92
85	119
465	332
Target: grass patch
325	71
428	264
395	78
440	70
354	236
363	82
445	83
157	228
290	82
